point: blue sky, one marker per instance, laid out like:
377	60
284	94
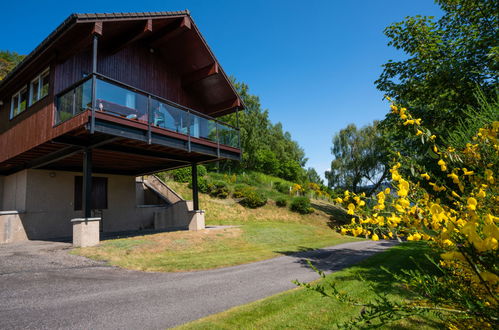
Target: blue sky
313	63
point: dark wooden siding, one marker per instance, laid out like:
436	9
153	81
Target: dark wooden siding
72	70
137	66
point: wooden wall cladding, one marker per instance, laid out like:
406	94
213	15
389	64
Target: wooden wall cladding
35	130
135	65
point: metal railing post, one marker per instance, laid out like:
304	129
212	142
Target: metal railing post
218	140
94	82
189	130
149	119
73	110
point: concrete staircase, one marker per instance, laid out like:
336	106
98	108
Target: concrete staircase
179	214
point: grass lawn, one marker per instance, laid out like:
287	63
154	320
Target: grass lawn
262	233
184	250
302	309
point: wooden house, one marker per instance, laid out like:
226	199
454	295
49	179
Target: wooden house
104	99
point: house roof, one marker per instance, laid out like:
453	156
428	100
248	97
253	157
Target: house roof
78	18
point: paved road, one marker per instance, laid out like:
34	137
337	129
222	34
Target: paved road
41	286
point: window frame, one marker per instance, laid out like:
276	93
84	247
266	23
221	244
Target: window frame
17	96
38	79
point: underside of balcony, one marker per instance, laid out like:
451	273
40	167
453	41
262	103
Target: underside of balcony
119	146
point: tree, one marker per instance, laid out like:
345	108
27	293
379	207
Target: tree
359	158
313	176
447	60
8	60
266	147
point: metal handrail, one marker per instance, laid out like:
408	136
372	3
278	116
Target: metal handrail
159	98
138	90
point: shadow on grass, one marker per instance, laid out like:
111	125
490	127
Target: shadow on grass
337	214
406	256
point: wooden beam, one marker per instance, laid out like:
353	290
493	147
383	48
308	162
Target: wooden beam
200	74
224	106
171	32
130	37
130	151
97	28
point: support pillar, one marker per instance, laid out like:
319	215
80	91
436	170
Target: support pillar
87	184
86	229
195	197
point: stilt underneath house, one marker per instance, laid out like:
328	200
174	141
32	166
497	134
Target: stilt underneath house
103	103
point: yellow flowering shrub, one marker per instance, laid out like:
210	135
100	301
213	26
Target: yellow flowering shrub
456	212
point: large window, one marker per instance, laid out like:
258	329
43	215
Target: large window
39	87
19	102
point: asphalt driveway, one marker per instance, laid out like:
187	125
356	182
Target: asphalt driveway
43	287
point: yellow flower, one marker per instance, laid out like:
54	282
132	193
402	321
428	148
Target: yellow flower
375	237
442	164
454	177
387	191
472	203
448	242
418	121
344	231
403	188
455	194
425	176
414	237
481	194
418	132
351	209
489	176
466	172
394	108
409	122
338	200
433	137
357	231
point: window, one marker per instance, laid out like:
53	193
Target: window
39	87
18	103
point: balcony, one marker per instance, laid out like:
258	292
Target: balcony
133	106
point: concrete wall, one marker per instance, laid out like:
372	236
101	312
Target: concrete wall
45	200
14	191
11	227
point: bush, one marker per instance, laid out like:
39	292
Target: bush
253	199
301	205
281	202
202	185
218	189
240	190
184	174
282	187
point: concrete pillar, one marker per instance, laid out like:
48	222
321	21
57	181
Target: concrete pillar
86	232
197	221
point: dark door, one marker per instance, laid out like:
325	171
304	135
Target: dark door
99	193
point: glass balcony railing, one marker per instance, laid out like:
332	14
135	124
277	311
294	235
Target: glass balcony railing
126	102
